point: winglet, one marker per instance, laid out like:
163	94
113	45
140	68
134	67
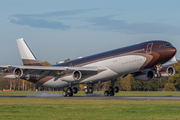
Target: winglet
27	56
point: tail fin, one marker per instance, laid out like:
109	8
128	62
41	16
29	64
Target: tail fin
27	56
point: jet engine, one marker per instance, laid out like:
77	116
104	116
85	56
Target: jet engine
165	72
72	76
144	75
33	78
13	73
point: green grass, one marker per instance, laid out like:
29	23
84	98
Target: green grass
147	93
65	109
81	93
62	109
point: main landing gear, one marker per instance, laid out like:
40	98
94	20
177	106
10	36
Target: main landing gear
111	90
70	91
88	89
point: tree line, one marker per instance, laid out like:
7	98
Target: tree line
125	84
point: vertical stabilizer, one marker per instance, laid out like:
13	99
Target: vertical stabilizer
27	56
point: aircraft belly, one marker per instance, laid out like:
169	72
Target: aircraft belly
101	76
127	64
55	83
115	68
122	64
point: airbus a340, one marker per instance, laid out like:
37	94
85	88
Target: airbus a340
145	61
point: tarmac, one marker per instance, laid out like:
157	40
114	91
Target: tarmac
95	97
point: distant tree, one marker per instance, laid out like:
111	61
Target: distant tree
67	60
152	85
45	63
176	78
125	83
81	86
169	87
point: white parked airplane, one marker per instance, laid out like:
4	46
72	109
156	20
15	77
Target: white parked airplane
144	60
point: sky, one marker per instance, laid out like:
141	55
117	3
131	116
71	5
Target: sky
57	29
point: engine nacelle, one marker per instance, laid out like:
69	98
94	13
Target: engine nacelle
71	76
18	72
166	72
13	73
144	75
32	78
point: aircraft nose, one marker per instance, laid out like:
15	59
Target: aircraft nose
172	51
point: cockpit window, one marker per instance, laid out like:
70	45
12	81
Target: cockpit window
166	45
163	45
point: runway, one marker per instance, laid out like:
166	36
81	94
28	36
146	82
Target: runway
98	97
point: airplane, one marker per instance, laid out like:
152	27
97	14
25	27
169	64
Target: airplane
144	61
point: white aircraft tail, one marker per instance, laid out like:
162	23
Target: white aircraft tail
27	56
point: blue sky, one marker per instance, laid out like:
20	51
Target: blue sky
57	29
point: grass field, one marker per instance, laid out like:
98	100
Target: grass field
66	109
49	109
81	93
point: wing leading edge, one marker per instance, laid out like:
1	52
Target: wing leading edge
51	70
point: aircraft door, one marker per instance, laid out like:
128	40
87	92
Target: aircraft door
149	48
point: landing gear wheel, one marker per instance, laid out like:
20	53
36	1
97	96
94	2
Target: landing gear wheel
111	93
71	94
90	90
86	91
106	93
116	89
64	94
75	90
111	89
69	90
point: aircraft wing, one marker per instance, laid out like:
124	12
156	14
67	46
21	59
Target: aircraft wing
3	67
51	70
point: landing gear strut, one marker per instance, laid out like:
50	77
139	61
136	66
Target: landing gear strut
157	69
88	88
111	90
69	91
